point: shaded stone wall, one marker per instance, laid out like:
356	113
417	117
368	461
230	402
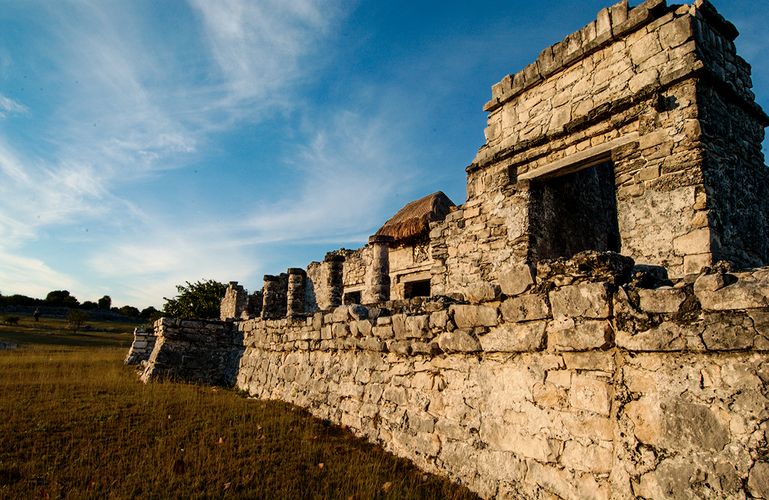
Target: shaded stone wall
576	382
200	351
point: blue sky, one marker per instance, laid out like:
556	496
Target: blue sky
143	143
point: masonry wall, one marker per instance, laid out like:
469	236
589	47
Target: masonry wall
644	89
578	385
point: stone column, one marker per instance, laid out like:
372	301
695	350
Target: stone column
379	290
273	306
295	294
334	274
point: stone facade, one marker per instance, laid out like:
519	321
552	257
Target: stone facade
579	383
586	335
641	125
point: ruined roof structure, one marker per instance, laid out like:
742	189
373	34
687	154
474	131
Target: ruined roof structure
592	321
412	222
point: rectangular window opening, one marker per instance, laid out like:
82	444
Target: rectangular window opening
420	288
351	298
574	212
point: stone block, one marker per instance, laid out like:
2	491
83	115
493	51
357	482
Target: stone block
517	279
595	458
710	283
740	295
587	300
383	331
417	326
523	337
590	394
471	316
694	242
583	425
568	334
527	307
458	341
662	300
340	314
439	319
482	292
676	33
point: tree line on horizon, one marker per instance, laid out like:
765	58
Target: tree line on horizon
63	298
200	299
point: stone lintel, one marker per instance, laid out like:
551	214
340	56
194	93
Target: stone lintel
579	161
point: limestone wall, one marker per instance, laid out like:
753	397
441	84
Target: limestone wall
572	381
658	93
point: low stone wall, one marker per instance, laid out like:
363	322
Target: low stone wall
570	380
198	351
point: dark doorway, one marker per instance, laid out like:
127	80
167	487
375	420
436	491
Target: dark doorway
574	212
419	288
352	298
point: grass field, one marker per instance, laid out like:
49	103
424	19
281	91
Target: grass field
76	423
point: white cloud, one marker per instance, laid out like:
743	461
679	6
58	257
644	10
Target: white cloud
31	277
8	106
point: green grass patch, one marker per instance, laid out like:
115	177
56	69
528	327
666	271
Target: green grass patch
52	331
78	424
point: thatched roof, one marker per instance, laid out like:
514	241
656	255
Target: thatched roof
412	222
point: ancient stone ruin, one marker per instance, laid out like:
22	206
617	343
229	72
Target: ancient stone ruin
593	322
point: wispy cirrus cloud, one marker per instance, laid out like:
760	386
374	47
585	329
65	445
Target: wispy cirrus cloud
128	107
8	106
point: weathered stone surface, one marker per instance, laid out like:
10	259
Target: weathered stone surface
740	295
662	300
527	307
758	482
482	292
567	334
588	300
458	341
524	337
517	279
473	316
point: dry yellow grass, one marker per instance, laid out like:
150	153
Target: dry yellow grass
77	424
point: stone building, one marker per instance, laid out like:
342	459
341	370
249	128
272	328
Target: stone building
592	329
637	134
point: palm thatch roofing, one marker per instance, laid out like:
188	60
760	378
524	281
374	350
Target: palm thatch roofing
412	222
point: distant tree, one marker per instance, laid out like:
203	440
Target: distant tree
76	319
89	305
150	314
196	300
129	311
105	303
61	298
